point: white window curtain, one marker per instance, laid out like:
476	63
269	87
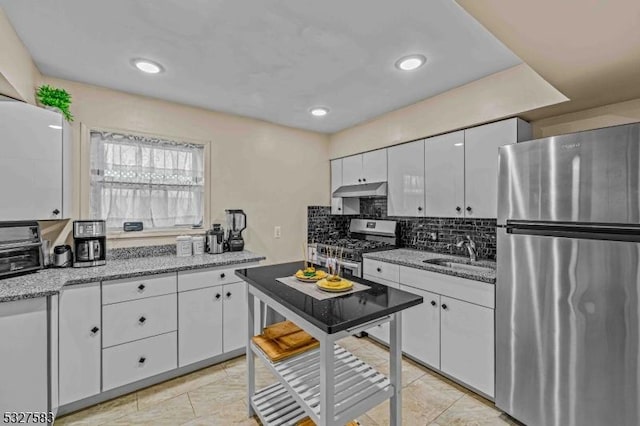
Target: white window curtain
155	181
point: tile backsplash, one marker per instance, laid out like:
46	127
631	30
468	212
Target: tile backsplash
414	232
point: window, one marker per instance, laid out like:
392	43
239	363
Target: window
155	181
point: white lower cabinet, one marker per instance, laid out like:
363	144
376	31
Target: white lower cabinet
467	343
234	317
421	328
452	330
79	350
200	324
380	332
385	274
24	351
138	319
138	360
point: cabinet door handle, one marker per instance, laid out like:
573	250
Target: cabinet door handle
339	208
228	294
468	208
444	306
419	209
94	330
433	303
142	320
364	180
379	269
56	212
222	275
458	209
359	180
141	288
218	296
142	360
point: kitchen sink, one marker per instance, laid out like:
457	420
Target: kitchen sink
452	264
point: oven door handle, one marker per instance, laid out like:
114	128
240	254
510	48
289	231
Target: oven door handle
17	247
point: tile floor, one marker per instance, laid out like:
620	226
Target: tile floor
216	396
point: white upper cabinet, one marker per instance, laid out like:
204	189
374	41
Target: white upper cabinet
341	205
34	163
370	167
481	163
444	175
406	179
336	182
374	166
352	170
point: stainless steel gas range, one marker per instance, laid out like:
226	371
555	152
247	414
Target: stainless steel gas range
364	236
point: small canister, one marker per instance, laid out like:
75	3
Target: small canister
184	247
198	245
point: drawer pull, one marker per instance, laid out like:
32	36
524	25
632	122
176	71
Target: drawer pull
141	288
222	275
142	320
444	306
94	330
228	294
142	360
379	269
218	296
433	303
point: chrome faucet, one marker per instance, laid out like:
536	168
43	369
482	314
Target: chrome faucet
471	248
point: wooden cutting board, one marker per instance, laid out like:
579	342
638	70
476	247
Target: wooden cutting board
276	353
294	340
280	329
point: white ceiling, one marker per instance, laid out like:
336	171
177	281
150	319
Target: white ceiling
268	59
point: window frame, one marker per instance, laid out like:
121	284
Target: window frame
85	182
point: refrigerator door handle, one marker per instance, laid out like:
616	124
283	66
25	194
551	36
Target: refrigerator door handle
587	231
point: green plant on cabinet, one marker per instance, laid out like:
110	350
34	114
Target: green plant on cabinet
56	98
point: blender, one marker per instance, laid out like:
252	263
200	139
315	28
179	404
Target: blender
236	223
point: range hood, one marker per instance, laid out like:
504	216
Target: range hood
365	190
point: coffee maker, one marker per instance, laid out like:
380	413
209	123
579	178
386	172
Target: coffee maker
236	223
90	243
215	239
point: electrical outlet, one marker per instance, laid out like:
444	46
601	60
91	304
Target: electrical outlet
277	232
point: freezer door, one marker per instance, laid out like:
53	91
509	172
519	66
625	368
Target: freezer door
589	176
567	330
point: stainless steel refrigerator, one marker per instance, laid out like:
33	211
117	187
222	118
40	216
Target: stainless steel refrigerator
568	281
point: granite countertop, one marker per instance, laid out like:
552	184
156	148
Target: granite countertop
416	258
49	281
329	315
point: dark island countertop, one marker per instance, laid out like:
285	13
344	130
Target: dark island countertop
50	281
330	315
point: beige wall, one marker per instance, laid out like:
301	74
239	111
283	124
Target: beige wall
18	74
270	171
608	115
500	95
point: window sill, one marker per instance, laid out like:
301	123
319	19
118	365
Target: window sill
122	235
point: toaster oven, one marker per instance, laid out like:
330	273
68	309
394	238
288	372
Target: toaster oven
20	248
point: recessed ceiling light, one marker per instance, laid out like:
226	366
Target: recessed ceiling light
319	111
411	62
147	66
55	126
